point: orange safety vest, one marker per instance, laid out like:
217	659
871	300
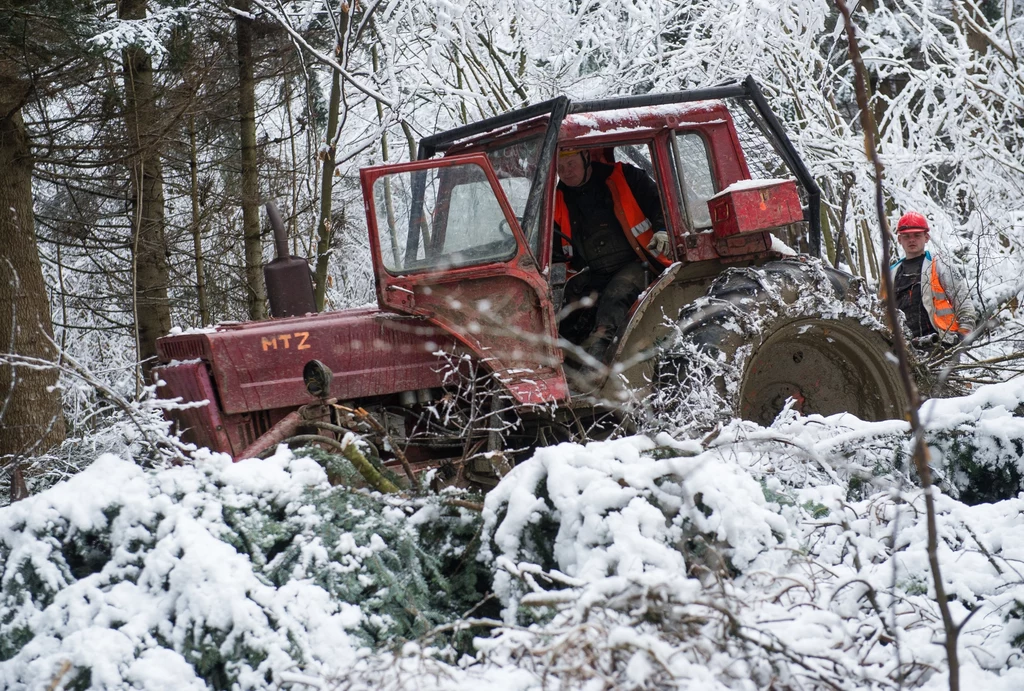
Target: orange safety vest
942	313
635	224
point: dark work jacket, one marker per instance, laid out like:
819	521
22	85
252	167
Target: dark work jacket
907	286
598	241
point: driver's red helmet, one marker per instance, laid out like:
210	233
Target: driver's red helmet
912	222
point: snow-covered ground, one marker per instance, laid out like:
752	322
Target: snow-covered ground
788	557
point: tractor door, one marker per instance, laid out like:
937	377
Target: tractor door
447	246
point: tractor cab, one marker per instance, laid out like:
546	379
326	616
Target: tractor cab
465	239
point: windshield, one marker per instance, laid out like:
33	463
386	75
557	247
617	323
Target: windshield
439	218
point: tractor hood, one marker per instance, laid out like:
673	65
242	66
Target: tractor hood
258	365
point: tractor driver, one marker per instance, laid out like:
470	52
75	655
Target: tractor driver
609	226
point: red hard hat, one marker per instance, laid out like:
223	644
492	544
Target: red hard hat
912	222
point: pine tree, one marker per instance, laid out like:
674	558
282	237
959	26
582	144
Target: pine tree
149	243
39	42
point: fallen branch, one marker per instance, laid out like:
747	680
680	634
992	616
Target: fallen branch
353	455
414	480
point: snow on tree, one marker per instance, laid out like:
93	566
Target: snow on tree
783	557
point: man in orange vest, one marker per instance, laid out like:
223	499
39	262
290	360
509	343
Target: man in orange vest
610	227
932	295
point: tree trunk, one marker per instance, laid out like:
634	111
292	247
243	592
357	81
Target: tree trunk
257	295
142	120
325	229
31	420
971	20
197	223
293	223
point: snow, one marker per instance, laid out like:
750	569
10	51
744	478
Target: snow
113	621
781	247
150	33
179	331
794	552
741	185
626	119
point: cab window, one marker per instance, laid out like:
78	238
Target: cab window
440	218
696	182
515	164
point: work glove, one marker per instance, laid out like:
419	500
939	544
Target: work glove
948	341
659	243
925	342
951	339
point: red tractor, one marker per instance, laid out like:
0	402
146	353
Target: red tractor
464	341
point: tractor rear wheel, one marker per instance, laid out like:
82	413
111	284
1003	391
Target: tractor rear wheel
786	330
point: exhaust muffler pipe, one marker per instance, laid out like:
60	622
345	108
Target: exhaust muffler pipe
289	280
